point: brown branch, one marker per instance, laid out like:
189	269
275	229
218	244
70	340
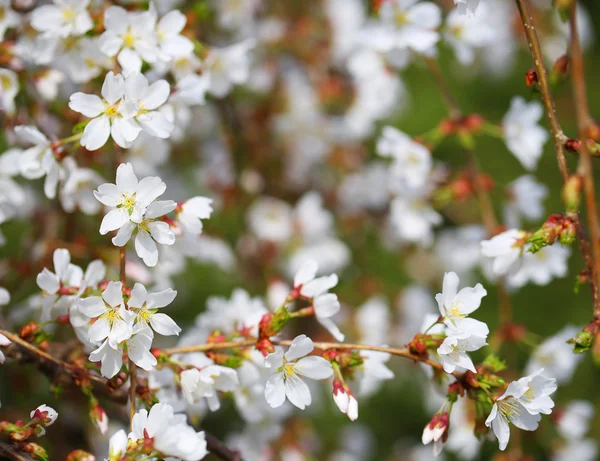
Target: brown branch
323	346
101	385
11	453
584	122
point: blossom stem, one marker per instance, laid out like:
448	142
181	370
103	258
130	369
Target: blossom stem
323	346
70	139
584	122
440	81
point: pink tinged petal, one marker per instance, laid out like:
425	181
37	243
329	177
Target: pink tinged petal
160	208
116	19
332	328
48	281
164	325
171	23
301	345
161	298
149	189
110	43
156	124
275	390
108	194
96	133
126	179
113	220
139	351
471	298
61	259
274	360
113	294
99	330
200	207
89	105
139	295
297	392
326	305
113	87
129	60
314	367
306	273
155	95
92	307
178	46
146	249
135	86
161	232
124	234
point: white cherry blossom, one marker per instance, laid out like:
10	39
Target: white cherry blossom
64	18
289	368
9	18
505	249
453	351
198	384
9	84
145	306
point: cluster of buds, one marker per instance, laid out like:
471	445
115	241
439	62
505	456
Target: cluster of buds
270	324
557	227
462	188
19	433
586	338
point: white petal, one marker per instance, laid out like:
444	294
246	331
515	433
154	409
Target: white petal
89	105
301	345
92	307
48	281
161	299
156	95
96	133
297	392
146	249
124	234
164	325
113	220
314	367
113	87
275	390
113	294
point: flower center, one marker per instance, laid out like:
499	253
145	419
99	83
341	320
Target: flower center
127	202
112	315
509	408
289	371
2	13
129	39
6	82
68	14
455	311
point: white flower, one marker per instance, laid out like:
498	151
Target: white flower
325	304
145	306
64	18
9	84
197	384
172	44
523	136
466	35
227	67
556	356
574	420
373	372
581	450
8	18
453	351
541	267
455	306
129	198
149	232
521	405
4	341
192	211
169	433
413	220
130	35
506	249
39	160
525	200
270	219
412	160
76	192
287	380
138	350
143	100
106	114
113	321
410	25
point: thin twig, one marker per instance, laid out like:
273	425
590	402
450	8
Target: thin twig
558	136
584	121
11	453
57	364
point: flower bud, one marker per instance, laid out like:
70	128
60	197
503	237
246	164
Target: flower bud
340	397
80	455
572	192
531	78
44	414
583	340
265	346
437	429
99	418
35	451
564	8
560	70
